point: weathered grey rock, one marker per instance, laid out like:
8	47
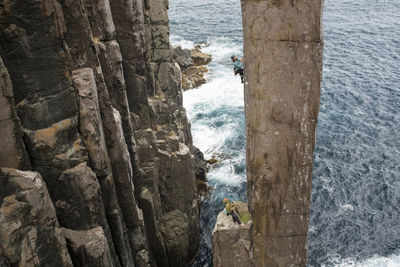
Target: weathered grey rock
200	58
3	261
283	51
110	124
88	248
142	259
232	244
33	49
78	193
179	186
123	174
111	62
100	18
28	222
122	170
119	231
55	149
90	123
174	227
156	241
130	33
41	248
200	165
193	77
75	86
169	81
192	64
13	153
182	57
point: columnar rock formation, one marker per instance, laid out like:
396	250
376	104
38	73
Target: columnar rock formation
91	101
283	63
232	244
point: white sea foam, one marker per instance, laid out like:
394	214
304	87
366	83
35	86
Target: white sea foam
221	49
375	261
222	93
225	174
177	40
219	92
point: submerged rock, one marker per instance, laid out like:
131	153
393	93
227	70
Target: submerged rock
232	243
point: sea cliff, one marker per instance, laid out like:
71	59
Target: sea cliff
97	165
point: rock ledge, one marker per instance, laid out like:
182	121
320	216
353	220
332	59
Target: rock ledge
231	242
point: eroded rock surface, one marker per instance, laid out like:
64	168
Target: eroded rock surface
29	229
13	153
283	51
89	248
193	65
232	244
91	99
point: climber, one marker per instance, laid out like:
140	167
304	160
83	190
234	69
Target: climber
231	210
237	66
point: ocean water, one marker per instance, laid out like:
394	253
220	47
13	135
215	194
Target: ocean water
355	205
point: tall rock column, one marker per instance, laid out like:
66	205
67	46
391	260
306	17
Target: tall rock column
283	63
129	23
13	153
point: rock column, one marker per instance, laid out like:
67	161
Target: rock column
97	111
283	63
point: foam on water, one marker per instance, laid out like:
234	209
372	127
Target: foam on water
216	112
177	40
376	261
209	108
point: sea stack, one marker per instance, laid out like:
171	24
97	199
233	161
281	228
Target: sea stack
283	65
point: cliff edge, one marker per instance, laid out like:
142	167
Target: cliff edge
98	165
232	243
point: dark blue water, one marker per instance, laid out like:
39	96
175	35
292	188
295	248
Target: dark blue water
355	209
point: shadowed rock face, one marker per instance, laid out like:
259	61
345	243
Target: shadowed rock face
13	153
283	64
91	100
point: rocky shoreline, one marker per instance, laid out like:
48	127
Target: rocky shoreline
193	64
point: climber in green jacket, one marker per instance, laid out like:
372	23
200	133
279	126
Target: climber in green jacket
237	66
231	210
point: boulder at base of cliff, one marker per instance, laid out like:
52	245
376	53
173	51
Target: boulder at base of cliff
232	246
198	57
192	63
193	77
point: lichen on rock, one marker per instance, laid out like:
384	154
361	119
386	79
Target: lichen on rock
232	243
